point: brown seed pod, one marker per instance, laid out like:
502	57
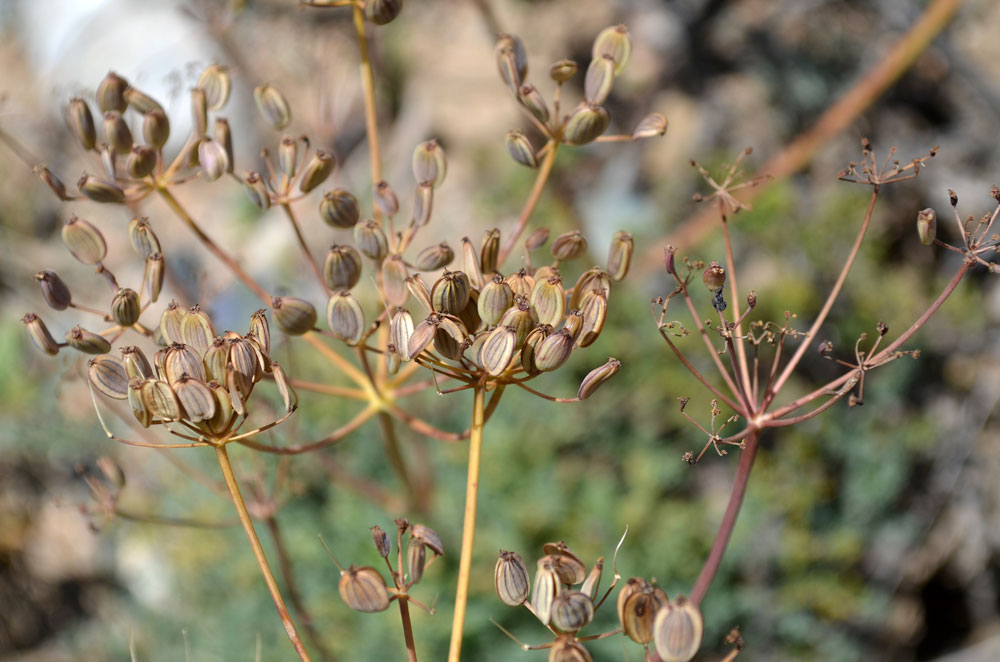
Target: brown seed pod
613	41
532	99
84	241
54	290
87	342
429	163
342	267
573	323
620	255
81	122
180	360
400	330
650	126
600	79
416	559
224	136
135	363
586	123
381	12
567	649
498	350
216	82
536	239
429	537
512	60
470	263
135	403
242	367
639	612
520	148
632	586
261	329
272	106
591	280
371	240
714	276
423	204
125	307
156	128
553	351
100	190
385	198
39	334
451	292
494	300
415	284
363	589
52	182
422	336
219	423
435	257
199	111
569	246
573	570
161	402
470	314
394	280
116	132
154	272
107	374
111	93
510	577
216	359
141	161
345	317
316	171
339	209
256	190
489	250
381	540
294	316
592	583
546	588
288	396
678	630
571	611
195	398
598	376
548	299
530	347
595	312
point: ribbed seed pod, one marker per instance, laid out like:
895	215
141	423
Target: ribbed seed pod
571	611
415	284
263	360
342	267
592	583
650	126
532	99
116	132
546	588
215	360
54	290
554	350
567	649
180	360
416	559
595	312
141	236
600	79
294	316
512	61
451	292
521	283
199	111
156	128
345	317
381	12
422	336
219	423
381	540
573	323
288	156
548	299
158	360
586	123
714	276
400	330
39	334
125	307
620	255
429	163
99	189
433	258
428	537
614	41
530	347
135	403
224	136
592	280
171	320
489	251
423	204
639	612
536	239
84	241
498	350
161	402
543	272
371	240
136	364
470	263
394	280
363	589
316	170
154	275
261	329
521	317
569	246
237	398
213	159
86	341
107	374
446	343
111	93
470	314
217	84
53	182
197	330
494	300
256	190
339	209
927	226
81	122
567	564
520	149
678	630
140	101
385	198
242	366
562	70
272	106
510	577
195	398
474	347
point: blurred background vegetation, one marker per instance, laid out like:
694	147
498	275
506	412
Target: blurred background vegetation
868	533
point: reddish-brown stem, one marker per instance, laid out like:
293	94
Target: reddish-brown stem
404	615
333	438
694	371
708	342
734	293
304	246
536	192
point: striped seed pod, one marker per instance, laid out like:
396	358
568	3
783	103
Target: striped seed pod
568	649
160	400
613	41
213	159
418	288
363	589
199	111
39	334
400	331
371	240
512	60
520	148
620	255
140	234
470	314
554	350
99	189
573	323
423	204
154	275
345	317
53	182
220	422
288	396
521	283
547	587
141	161
591	280
639	612
125	307
195	398
650	126
586	123
562	70
494	300
600	78
54	290
342	267
215	360
927	226
107	374
510	577
521	317
530	347
532	99
416	559
116	132
595	313
450	292
224	136
135	403
548	299
242	367
216	82
288	156
197	330
470	263
433	258
592	583
111	93
498	350
294	316
180	360
631	587
140	101
339	209
569	246
394	280
256	190
678	630
156	128
171	320
81	122
381	540
567	564
429	163
261	329
272	106
86	341
385	198
422	336
489	251
536	239
571	611
136	364
317	169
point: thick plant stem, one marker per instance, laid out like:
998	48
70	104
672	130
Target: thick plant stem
404	615
469	524
711	566
536	192
258	552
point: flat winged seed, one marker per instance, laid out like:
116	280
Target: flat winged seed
416	559
135	363
401	329
592	583
569	246
242	365
548	299
216	83
342	267
345	317
489	251
429	163
160	400
600	79
530	347
195	398
554	350
546	588
86	341
182	360
521	283
84	241
294	316
613	41
422	336
171	323
107	374
272	106
433	258
125	307
371	240
451	292
596	377
571	611
156	128
319	167
567	649
141	236
586	123
520	148
394	280
521	317
363	589
494	300
510	578
498	350
620	255
678	630
135	403
650	126
639	612
423	204
54	290
338	208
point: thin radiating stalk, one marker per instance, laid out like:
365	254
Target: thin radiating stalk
536	192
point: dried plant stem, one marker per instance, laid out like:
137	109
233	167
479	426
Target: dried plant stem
536	192
368	88
697	375
233	266
734	293
469	523
404	616
304	246
337	391
258	552
345	366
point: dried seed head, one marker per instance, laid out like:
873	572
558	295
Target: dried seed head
256	190
521	283
678	630
125	307
510	577
154	275
650	126
87	342
199	111
394	280
532	99
520	149
521	317
84	241
224	136
639	612
714	276
600	79
562	70
156	128
272	106
385	198
498	350
494	300
371	240
144	241
342	267
429	163
593	581
546	588
141	161
288	156
54	290
339	209
571	611
213	159
586	123
135	362
620	255
381	12
614	41
381	540
160	400
567	649
140	101
363	589
100	190
111	93
216	83
451	292
927	226
489	251
117	133
423	204
294	316
400	331
530	347
195	398
40	335
512	61
548	299
319	167
81	122
433	258
345	317
595	313
569	246
554	350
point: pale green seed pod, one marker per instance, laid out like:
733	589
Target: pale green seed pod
107	374
678	630
927	226
429	163
573	323
554	350
595	313
532	99
141	161
317	169
562	70
213	159
510	577
156	128
594	279
288	156
224	136
141	102
160	400
592	583
116	132
569	246
451	292
53	182
521	283
39	334
614	41
639	612
81	122
339	209
595	378
363	589
489	251
84	241
394	280
195	398
371	240
223	408
272	106
381	12
86	341
140	234
125	307
521	317
548	299
512	61
345	317
217	84
546	588
400	331
180	360
571	611
586	123
294	316
197	330
100	190
650	126
256	190
520	149
423	204
385	198
620	255
433	258
199	111
154	272
530	347
341	268
600	79
498	350
54	290
136	364
111	93
494	300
